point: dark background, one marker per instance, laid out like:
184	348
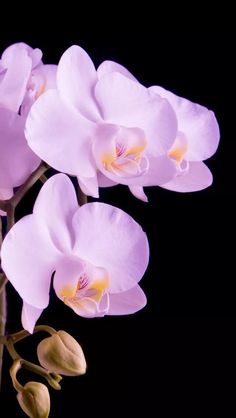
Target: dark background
179	352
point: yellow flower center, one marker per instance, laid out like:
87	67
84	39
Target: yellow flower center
93	290
122	156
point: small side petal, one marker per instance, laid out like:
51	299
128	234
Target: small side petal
89	185
128	302
198	177
29	316
138	192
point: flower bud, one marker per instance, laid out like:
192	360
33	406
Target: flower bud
61	353
34	400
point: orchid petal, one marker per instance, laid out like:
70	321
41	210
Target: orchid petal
57	197
29	316
60	135
138	192
89	185
197	123
104	181
108	67
28	260
4	195
76	78
115	242
128	103
198	177
17	161
34	54
18	67
127	302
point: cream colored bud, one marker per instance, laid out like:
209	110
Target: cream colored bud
61	353
34	399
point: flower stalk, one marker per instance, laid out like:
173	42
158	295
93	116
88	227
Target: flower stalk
3	317
53	379
82	197
3	310
9	207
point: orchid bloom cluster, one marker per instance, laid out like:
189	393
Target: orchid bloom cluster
105	128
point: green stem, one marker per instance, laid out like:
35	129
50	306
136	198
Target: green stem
82	197
10	217
3	282
35	176
43	178
16	198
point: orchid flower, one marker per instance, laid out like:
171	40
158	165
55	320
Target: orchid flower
23	78
97	254
197	139
103	127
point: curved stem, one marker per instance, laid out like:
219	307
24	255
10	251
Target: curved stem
18	336
13	372
29	183
20	193
52	378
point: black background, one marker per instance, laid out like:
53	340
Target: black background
179	352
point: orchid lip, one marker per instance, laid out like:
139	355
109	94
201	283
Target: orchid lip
126	162
88	292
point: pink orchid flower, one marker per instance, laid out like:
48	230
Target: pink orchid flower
23	78
103	127
197	139
98	254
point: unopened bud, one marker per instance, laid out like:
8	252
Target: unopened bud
34	400
61	353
